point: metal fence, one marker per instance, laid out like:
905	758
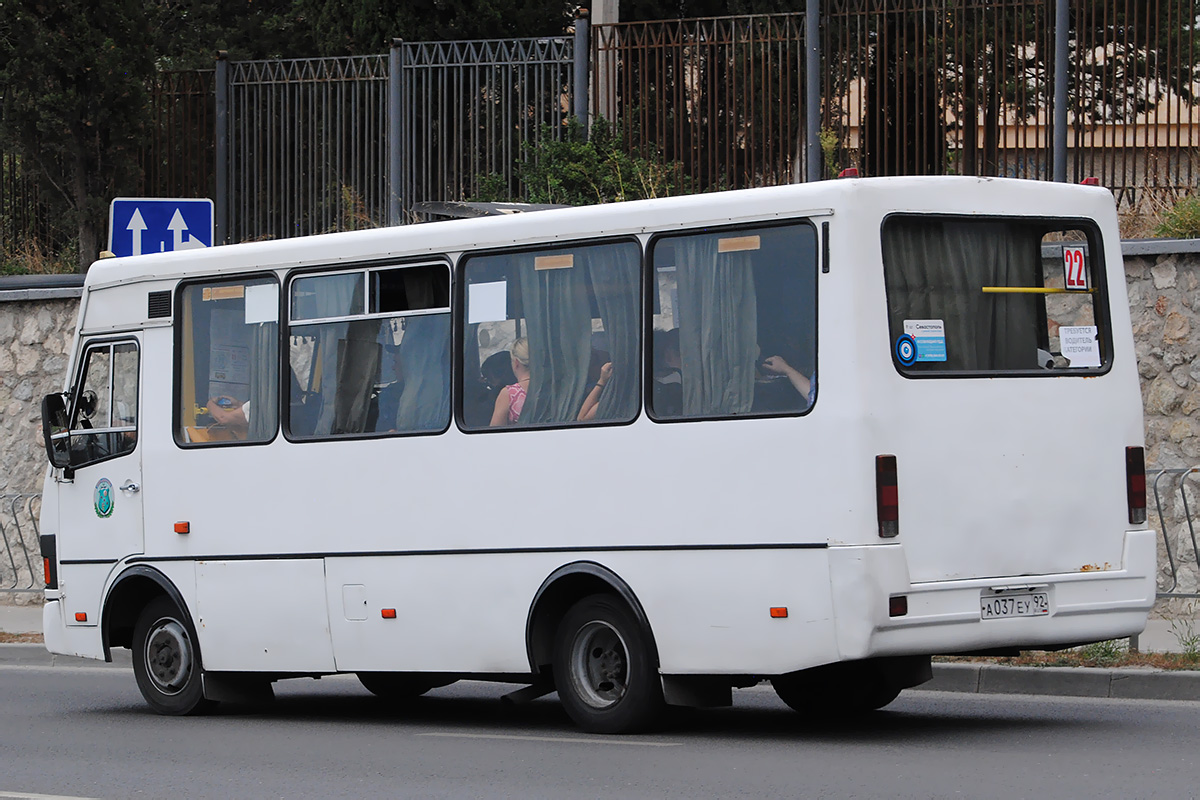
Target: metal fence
316	145
1175	508
178	159
20	561
916	87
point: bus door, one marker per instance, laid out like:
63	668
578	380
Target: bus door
99	497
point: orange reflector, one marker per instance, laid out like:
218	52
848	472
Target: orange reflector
46	571
389	613
183	527
898	606
779	613
80	616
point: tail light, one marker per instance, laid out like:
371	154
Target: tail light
887	501
1135	484
49	550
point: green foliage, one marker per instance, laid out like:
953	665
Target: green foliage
31	259
574	171
1182	221
1105	653
1183	628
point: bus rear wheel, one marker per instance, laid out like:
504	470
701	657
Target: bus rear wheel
603	669
166	660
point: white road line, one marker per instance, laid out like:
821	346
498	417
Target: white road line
31	796
556	739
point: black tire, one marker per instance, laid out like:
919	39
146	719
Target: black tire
399	685
603	668
166	660
837	689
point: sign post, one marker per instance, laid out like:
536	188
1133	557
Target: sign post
139	225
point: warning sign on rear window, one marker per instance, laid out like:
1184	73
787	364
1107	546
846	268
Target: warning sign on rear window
929	336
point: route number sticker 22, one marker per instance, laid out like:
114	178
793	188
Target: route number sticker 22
1075	269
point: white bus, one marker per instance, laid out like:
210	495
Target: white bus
639	454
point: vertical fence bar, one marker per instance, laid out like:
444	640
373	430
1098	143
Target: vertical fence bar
812	102
395	152
221	167
580	91
1061	38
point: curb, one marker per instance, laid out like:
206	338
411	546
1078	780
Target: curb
1126	684
36	655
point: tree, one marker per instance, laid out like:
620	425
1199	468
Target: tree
73	77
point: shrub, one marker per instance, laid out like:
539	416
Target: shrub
1182	221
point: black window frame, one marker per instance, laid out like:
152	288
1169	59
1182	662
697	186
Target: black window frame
111	342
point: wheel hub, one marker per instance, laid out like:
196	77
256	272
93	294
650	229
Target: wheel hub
599	665
168	656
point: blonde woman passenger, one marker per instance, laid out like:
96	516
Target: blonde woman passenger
511	400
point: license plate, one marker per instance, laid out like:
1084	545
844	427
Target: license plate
1002	606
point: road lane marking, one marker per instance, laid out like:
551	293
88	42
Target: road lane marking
32	796
550	739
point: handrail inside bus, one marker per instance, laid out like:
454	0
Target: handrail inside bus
1033	290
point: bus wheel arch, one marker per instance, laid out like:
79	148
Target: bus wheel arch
131	592
562	589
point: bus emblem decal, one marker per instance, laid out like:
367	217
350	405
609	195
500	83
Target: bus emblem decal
103	498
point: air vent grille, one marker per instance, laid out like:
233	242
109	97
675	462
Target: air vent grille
159	305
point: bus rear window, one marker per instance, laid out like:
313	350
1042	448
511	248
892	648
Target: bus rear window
995	296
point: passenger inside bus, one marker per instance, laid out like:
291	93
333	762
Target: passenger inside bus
511	401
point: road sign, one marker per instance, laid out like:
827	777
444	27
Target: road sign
138	225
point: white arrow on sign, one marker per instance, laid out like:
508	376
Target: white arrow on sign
178	226
136	226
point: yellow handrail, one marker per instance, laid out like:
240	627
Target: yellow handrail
1032	290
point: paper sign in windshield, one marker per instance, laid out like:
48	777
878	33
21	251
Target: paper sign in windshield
487	302
1080	345
930	338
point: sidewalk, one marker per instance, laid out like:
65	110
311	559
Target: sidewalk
1144	684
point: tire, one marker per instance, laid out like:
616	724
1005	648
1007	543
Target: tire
835	689
166	660
398	686
603	668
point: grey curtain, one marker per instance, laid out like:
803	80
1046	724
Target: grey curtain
425	357
358	360
559	320
264	381
718	327
337	296
615	271
935	269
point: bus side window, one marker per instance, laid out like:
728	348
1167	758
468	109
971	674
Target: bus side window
734	323
104	419
552	336
369	352
228	361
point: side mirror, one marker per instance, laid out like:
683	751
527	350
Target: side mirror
55	430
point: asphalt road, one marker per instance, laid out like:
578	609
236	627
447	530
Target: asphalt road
86	733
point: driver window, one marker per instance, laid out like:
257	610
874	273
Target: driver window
104	417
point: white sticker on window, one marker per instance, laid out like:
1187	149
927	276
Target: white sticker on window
1080	344
929	335
1075	276
262	303
487	302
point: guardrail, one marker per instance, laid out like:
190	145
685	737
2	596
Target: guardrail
20	570
1174	499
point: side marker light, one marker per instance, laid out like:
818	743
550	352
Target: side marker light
81	616
183	527
779	613
389	613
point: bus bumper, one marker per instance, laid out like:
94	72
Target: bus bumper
69	641
944	617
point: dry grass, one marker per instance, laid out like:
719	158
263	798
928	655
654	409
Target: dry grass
20	638
1085	657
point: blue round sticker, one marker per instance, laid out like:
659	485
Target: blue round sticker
906	349
102	498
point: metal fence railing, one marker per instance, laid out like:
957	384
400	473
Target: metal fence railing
1175	507
20	560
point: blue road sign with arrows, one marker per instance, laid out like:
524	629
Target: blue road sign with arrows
138	225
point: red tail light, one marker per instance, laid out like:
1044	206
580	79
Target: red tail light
1135	484
887	501
849	172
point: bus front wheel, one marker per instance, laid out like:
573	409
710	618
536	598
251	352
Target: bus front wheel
603	669
166	660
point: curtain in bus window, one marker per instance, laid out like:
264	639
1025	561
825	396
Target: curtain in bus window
614	272
937	269
264	381
358	358
333	300
424	403
559	321
718	327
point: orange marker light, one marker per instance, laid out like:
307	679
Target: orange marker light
81	616
779	613
46	570
183	527
389	613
